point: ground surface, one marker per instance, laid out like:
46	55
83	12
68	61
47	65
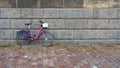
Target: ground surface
60	56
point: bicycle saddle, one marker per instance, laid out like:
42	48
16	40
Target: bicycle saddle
28	23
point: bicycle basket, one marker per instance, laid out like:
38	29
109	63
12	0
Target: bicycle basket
45	25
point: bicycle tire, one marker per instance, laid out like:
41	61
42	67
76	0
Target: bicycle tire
20	40
49	41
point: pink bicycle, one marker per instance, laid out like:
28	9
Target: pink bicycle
24	37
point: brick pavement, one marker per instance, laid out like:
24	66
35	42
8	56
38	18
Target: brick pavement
61	56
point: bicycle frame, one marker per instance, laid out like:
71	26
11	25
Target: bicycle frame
35	37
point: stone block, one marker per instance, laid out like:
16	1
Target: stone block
79	34
6	34
87	42
73	3
104	23
7	41
19	23
76	23
114	23
118	12
95	41
114	3
117	41
13	3
116	34
64	42
53	23
105	13
28	3
99	23
56	23
10	13
99	34
51	13
63	34
36	24
51	3
92	34
4	23
32	13
7	3
76	13
92	4
104	3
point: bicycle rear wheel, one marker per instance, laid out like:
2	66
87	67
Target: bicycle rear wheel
48	41
19	38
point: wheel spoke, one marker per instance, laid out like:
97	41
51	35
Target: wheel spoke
47	41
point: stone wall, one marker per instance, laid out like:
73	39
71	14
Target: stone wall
70	21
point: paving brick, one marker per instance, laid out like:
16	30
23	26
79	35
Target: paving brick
61	61
60	56
67	62
51	63
56	64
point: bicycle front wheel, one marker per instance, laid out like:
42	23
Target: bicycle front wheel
46	39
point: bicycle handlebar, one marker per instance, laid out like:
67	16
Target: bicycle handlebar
41	21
